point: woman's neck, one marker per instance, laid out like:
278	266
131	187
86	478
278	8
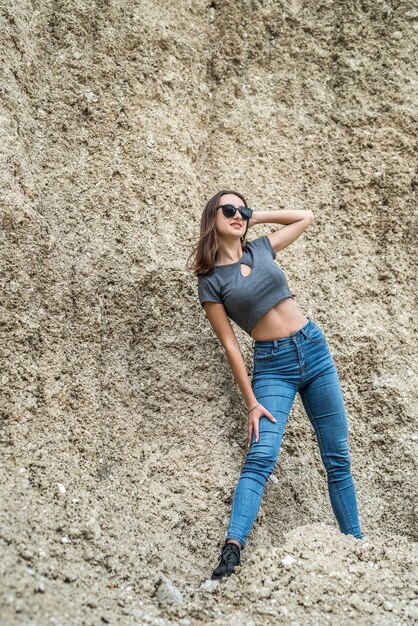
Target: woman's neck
229	252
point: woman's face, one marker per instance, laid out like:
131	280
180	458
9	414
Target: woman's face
232	226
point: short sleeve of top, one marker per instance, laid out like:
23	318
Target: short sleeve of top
208	289
265	241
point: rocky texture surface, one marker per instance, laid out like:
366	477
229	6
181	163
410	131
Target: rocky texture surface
122	431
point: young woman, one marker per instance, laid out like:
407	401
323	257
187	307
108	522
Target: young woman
240	280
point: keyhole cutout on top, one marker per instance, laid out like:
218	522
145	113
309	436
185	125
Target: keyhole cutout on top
245	269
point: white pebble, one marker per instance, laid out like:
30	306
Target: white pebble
209	585
288	560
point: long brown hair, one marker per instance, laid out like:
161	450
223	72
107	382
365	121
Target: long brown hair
204	251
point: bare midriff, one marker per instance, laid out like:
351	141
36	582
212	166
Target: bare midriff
280	321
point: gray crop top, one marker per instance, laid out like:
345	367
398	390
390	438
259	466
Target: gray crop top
246	298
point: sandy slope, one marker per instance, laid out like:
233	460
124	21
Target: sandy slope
122	430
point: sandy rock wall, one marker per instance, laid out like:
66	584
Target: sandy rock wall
122	430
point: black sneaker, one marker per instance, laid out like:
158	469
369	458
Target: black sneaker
229	559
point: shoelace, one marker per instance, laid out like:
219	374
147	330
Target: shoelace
226	552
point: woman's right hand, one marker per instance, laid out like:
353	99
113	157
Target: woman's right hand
254	418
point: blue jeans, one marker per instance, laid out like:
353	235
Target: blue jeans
300	362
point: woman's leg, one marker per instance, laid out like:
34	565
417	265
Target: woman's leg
276	396
323	401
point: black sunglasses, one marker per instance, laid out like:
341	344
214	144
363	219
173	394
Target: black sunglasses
229	211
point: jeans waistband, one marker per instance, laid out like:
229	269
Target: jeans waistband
270	343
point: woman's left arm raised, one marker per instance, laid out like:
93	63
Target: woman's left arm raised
295	223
